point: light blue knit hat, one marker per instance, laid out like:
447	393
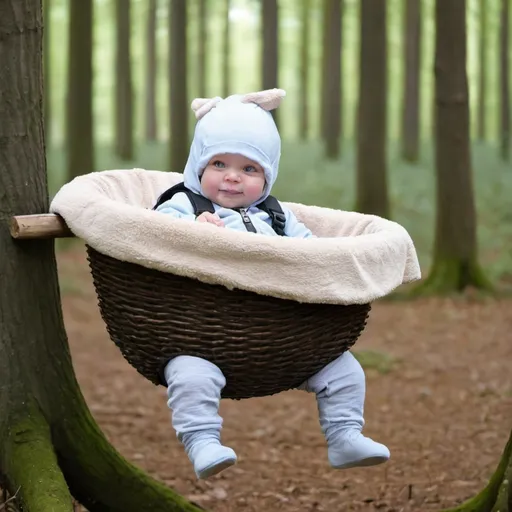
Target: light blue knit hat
238	124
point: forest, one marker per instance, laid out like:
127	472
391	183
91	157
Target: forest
394	108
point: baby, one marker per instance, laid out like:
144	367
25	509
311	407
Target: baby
233	163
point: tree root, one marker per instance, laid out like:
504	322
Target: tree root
452	275
496	496
31	466
100	478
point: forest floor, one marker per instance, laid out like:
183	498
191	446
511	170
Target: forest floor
440	397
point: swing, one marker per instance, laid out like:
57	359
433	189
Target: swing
269	311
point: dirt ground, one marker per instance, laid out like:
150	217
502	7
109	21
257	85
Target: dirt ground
445	411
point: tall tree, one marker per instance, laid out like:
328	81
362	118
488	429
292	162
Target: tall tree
270	46
151	73
51	445
304	70
226	68
372	192
324	70
124	87
333	85
504	68
79	112
482	71
411	89
455	265
202	53
47	70
179	145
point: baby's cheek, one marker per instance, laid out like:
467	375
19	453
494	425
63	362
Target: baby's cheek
255	189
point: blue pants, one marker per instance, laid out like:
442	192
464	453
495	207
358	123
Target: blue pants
195	385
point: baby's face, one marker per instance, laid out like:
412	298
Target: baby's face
233	181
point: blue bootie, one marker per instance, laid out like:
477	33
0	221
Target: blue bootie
206	453
350	449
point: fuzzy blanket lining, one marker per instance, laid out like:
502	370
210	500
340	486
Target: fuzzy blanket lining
356	259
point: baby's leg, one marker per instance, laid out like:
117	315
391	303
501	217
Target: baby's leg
194	388
340	391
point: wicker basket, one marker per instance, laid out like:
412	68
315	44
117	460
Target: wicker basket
262	344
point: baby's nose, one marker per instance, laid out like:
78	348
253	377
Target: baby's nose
232	176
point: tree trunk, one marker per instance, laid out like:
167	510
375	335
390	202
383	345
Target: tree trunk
504	68
79	126
203	36
50	442
226	68
482	71
270	47
455	264
179	145
151	73
372	194
124	89
304	71
333	88
411	99
324	68
47	71
497	496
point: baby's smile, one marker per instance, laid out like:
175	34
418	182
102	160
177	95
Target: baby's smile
231	191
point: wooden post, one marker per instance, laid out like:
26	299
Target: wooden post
45	225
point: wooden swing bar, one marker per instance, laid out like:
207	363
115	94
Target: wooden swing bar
39	226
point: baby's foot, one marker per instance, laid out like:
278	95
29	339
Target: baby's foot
207	455
350	449
212	459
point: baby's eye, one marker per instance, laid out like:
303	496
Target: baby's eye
219	164
250	168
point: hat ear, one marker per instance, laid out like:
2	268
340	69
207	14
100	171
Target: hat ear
201	106
267	100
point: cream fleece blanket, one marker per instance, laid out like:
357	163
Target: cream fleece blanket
358	258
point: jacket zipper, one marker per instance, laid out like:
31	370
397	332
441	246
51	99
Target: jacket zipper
247	221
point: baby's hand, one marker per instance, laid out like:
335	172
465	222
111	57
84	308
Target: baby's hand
211	218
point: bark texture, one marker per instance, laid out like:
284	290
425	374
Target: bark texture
179	145
79	114
50	443
455	265
372	192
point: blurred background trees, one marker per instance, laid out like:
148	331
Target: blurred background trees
365	83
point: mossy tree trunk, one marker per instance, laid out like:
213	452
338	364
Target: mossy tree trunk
51	445
270	47
411	98
124	87
497	495
372	189
504	70
304	70
333	86
151	131
482	71
79	111
455	265
179	106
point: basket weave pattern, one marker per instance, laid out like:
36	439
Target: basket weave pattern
263	345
